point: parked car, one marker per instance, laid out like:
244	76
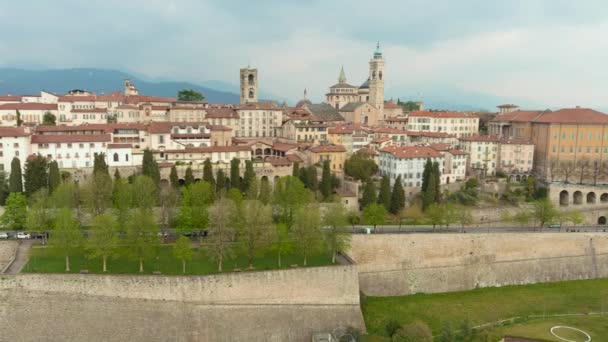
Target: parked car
555	226
3	235
22	235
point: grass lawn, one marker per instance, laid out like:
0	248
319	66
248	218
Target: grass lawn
43	260
595	326
486	305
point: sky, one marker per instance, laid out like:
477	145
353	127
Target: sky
548	52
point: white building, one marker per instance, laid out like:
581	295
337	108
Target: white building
14	142
259	120
458	123
31	113
483	152
408	162
70	151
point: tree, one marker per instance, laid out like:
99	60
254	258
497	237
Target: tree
15	182
102	240
208	173
522	217
336	230
67	237
167	200
583	166
142	235
39	215
360	166
222	215
265	195
312	182
464	216
49	119
437	180
255	232
430	194
567	169
426	175
189	177
416	331
122	198
369	194
326	186
221	181
116	175
553	168
182	250
19	120
99	164
235	174
435	214
143	192
54	176
189	95
67	195
447	335
397	197
248	176
97	193
254	189
374	214
4	187
289	195
192	215
35	174
306	232
414	212
576	217
296	169
543	211
384	196
150	167
173	178
282	243
15	211
450	214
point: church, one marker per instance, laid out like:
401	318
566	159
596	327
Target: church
363	104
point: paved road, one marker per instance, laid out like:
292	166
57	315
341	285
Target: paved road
386	229
23	253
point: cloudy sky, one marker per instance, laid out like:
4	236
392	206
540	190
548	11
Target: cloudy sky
551	52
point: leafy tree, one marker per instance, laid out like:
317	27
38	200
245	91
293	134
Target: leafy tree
255	233
67	237
303	176
354	218
40	214
97	193
306	232
4	187
208	173
384	196
248	176
222	215
15	183
189	95
360	167
522	217
189	177
235	174
221	181
326	182
122	198
167	200
296	169
54	176
65	196
182	250
543	211
435	214
35	174
336	230
99	164
466	333
282	243
464	216
265	195
19	120
143	192
253	191
576	217
374	214
15	211
142	235
193	214
150	167
289	196
397	197
49	119
416	331
450	214
102	240
173	178
312	182
369	194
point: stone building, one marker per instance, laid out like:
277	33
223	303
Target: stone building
249	85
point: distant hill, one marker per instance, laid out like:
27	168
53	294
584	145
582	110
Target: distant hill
100	81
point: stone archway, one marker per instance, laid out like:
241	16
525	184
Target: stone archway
601	220
577	197
564	197
181	182
591	197
518	178
604	198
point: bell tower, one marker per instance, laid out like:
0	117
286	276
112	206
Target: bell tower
376	80
249	85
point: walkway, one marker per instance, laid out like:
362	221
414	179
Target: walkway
23	251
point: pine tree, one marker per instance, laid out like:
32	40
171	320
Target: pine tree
208	173
54	176
150	167
15	183
220	181
235	174
248	176
398	197
384	197
36	174
369	194
189	177
116	175
326	181
296	169
173	178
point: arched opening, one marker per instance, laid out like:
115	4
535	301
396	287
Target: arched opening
181	182
276	179
604	198
524	178
264	178
517	178
164	182
601	220
267	152
250	79
115	157
447	180
577	197
564	197
258	152
189	145
251	94
202	145
197	180
591	198
380	74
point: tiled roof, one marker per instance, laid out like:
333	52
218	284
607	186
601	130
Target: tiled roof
351	107
65	138
29	106
283	147
324	110
411	151
16	98
367	151
482	138
77	98
457	152
343	85
13	132
381	140
391	105
258	105
396	119
120	146
278	161
327	148
293	157
518	116
231	148
390	130
573	115
440	147
428	114
431	134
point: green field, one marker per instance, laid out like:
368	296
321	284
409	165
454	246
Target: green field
492	304
595	326
43	260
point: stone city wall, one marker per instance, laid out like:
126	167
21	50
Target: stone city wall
391	265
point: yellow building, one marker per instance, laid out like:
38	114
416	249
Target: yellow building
336	154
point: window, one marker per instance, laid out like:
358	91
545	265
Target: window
126	157
16	153
91	145
115	157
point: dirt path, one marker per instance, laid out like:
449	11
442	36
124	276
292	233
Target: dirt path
23	252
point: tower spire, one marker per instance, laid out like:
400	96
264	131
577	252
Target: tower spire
305	93
342	77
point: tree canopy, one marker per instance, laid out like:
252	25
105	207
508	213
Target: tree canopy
189	95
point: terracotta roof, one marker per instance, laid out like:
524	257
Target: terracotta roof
219	128
573	115
283	147
29	106
431	134
92	110
345	193
61	138
390	130
391	104
278	161
428	114
411	151
144	98
221	113
190	136
13	132
119	146
327	148
16	98
231	148
367	151
518	116
381	140
258	105
440	147
457	152
397	119
293	157
77	98
352	106
482	138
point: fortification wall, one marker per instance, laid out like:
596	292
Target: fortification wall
8	249
286	305
391	265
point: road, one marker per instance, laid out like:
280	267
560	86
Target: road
23	252
391	229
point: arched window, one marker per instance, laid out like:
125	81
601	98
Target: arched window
250	78
115	157
126	157
250	94
380	74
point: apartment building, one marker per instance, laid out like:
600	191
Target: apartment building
459	124
259	120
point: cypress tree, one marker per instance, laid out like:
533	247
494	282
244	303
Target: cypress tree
428	166
19	120
384	197
36	174
265	191
369	194
235	174
208	172
248	176
221	184
173	178
428	197
311	176
117	176
296	169
99	163
150	167
326	181
54	176
436	174
189	178
15	183
398	197
303	175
